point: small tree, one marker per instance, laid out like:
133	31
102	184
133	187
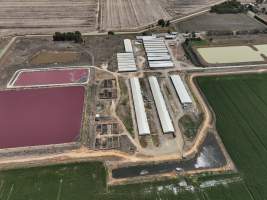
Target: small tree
167	23
161	22
77	37
111	33
193	34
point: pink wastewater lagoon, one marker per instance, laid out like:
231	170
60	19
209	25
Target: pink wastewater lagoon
31	117
52	76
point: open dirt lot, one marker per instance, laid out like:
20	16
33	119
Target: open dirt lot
121	14
49	57
47	16
223	22
97	50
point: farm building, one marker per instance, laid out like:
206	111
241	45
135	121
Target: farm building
140	113
128	46
165	119
181	91
160	64
126	62
157	53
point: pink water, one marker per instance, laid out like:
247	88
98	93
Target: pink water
54	76
40	116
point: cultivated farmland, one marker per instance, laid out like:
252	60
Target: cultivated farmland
231	55
128	14
216	22
240	105
88	181
47	16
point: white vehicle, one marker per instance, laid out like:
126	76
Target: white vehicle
144	172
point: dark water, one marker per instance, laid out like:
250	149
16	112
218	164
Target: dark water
210	156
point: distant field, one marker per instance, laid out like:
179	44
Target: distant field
240	105
128	14
223	22
64	182
47	16
230	54
82	181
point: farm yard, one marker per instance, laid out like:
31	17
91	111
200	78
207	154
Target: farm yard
41	116
43	52
129	14
217	22
47	16
240	105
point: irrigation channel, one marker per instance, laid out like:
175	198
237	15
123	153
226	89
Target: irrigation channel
209	157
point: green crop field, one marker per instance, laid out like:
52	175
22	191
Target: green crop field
87	181
240	105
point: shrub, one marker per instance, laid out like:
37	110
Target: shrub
69	36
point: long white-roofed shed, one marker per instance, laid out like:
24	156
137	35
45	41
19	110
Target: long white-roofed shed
140	113
164	116
128	46
181	91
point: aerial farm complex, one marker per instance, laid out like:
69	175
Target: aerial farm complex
130	99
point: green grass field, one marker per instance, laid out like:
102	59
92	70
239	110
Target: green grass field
240	105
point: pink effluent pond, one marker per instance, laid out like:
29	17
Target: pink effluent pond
31	117
54	76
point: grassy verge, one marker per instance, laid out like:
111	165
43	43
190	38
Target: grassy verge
123	109
189	124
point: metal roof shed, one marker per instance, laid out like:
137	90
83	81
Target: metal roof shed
140	113
126	62
181	90
160	64
128	46
165	119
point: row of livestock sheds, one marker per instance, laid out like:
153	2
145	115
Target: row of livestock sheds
181	91
164	116
126	62
157	53
140	113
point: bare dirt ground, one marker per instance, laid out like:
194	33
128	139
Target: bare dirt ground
49	57
128	14
24	51
33	16
131	14
217	22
